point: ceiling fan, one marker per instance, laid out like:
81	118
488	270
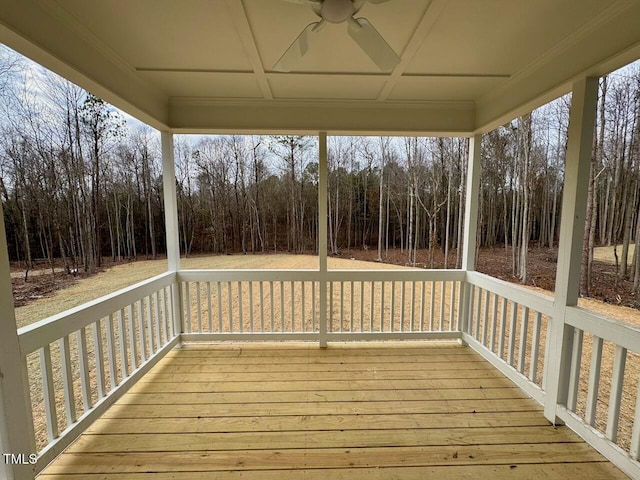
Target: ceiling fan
360	29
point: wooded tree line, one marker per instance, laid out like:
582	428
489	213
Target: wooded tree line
79	183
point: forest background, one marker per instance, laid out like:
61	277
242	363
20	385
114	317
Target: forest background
81	187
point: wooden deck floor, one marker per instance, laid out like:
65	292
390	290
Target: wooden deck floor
280	411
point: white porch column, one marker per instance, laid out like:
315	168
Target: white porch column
171	222
574	206
322	233
16	428
472	201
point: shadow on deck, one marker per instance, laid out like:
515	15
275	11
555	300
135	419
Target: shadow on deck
282	411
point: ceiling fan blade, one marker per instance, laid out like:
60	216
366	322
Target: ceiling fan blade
369	40
375	2
291	58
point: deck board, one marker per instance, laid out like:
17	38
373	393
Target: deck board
284	411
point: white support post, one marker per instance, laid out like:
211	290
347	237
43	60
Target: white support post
171	224
574	206
470	225
322	233
16	428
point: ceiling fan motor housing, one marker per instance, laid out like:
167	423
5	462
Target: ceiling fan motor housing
336	11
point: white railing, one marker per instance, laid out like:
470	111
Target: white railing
509	326
305	304
603	402
79	362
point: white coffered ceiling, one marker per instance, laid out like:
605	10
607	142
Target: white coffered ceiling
207	65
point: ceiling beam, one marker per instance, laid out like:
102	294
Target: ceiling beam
431	14
241	22
198	115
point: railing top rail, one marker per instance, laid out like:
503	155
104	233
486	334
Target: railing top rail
608	329
43	332
529	298
314	275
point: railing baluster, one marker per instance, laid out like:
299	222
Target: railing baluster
99	357
615	397
293	305
472	298
412	305
85	384
169	303
48	393
361	306
392	313
576	365
634	450
124	362
261	307
165	315
251	320
198	307
303	327
156	323
143	336
452	302
422	303
494	322
382	299
152	345
282	319
485	318
313	307
209	307
442	295
67	380
240	302
331	326
432	306
132	339
271	305
219	300
402	305
535	348
341	306
503	325
594	381
478	315
111	352
187	304
372	286
512	333
230	306
351	300
524	333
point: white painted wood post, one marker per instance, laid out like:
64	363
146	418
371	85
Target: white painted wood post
171	225
16	427
322	233
574	206
472	201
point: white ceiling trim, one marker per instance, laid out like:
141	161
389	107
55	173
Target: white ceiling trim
431	14
249	44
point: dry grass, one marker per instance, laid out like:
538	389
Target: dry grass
605	254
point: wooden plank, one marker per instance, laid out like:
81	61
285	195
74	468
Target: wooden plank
318	385
316	422
321	458
326	396
407	437
554	471
313	376
320	408
351	368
